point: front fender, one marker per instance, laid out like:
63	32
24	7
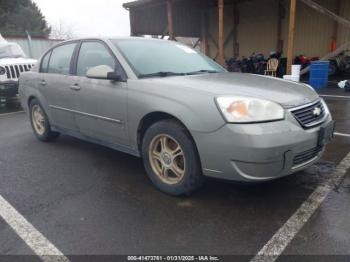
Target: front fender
196	110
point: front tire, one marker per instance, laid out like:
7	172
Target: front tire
170	158
40	122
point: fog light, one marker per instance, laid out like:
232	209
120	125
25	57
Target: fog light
2	87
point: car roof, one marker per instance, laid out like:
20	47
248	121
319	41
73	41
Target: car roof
113	39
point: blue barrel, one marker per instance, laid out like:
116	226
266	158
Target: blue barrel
319	74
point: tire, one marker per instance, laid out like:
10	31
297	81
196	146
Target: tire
187	163
41	130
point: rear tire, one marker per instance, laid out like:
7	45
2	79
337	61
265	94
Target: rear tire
170	158
40	122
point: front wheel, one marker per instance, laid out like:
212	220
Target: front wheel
170	158
40	122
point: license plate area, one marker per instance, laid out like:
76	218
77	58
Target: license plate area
326	134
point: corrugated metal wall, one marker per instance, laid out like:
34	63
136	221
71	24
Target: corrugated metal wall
257	31
314	30
344	32
152	19
38	46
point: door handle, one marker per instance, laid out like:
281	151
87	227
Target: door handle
75	87
43	82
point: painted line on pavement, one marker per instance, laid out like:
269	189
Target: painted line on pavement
12	113
335	96
277	244
341	134
30	235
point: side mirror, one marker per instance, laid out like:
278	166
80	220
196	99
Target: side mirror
114	76
103	72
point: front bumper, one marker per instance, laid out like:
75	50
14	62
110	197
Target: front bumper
258	152
8	89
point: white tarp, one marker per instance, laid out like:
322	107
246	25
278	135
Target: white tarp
2	40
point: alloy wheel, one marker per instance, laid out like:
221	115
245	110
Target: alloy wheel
38	119
167	159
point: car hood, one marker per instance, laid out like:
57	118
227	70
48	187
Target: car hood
17	61
287	93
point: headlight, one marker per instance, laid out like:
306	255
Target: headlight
2	70
249	110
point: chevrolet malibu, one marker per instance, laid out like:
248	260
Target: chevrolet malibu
185	115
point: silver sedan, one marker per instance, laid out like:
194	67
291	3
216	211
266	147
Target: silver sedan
185	115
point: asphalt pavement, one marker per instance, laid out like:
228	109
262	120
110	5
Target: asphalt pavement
90	200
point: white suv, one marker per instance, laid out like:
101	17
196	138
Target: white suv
13	62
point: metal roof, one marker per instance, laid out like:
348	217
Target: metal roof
140	3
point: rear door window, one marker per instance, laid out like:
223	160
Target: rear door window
61	58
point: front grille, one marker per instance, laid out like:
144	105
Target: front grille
310	115
306	156
13	71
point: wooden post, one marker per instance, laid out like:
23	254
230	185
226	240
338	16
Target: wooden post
335	28
204	33
279	44
170	19
132	23
291	32
221	57
235	30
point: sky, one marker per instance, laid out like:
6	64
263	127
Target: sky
87	17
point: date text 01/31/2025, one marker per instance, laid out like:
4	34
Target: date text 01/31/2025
173	258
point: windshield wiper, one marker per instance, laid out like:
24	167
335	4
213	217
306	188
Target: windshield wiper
161	74
202	71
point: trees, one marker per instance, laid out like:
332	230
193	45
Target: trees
62	31
19	16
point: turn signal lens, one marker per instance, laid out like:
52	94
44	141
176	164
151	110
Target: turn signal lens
238	109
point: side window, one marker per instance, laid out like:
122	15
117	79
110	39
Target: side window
60	59
93	54
45	63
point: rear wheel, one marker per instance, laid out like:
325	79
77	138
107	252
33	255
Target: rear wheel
171	159
40	122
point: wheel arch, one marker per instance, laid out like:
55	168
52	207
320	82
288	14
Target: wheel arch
30	99
152	118
41	101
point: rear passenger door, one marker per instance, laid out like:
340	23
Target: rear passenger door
56	83
101	104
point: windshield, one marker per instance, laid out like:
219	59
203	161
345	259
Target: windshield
11	50
164	58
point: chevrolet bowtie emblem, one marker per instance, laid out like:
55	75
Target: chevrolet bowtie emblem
317	111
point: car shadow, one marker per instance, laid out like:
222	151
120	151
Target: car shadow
127	173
